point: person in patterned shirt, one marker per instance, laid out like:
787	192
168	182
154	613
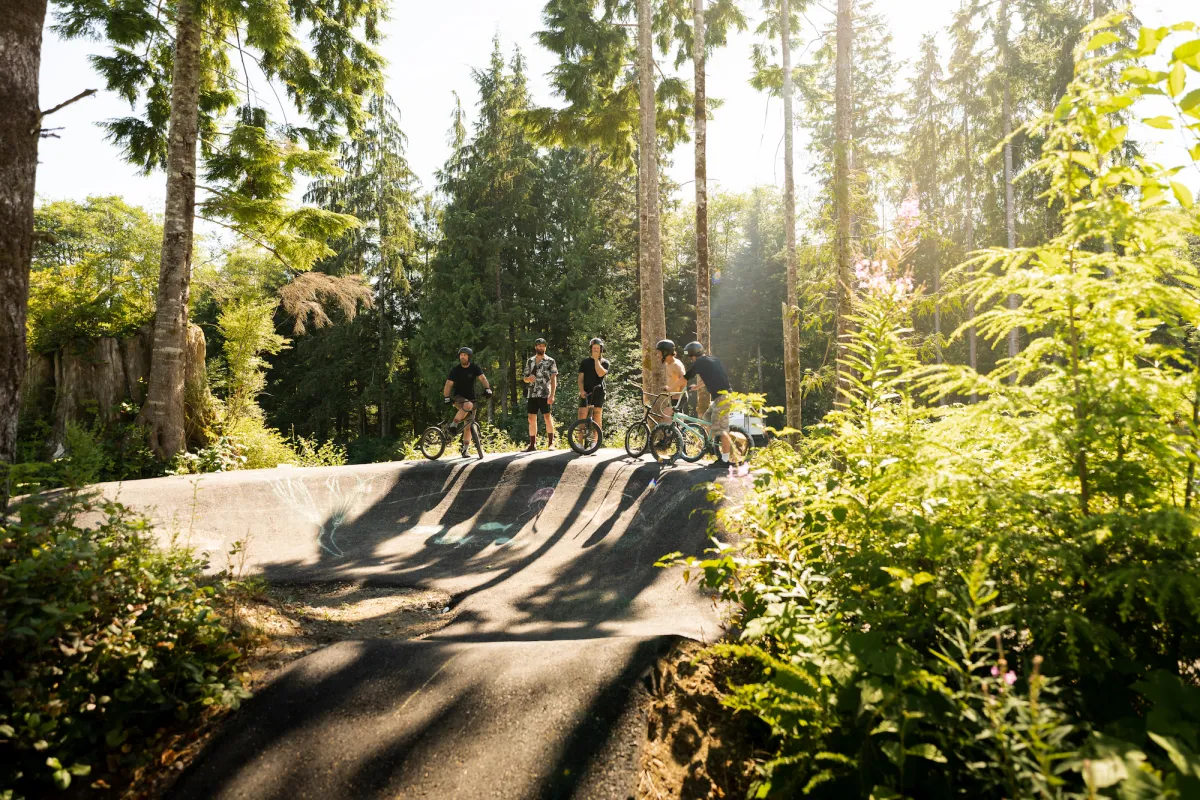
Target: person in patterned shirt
541	381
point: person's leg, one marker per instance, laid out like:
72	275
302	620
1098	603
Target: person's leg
467	408
532	406
461	406
549	418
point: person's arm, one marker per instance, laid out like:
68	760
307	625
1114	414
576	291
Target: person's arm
553	385
582	393
486	386
529	370
447	388
601	371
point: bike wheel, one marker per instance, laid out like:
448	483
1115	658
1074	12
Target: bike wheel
742	441
433	443
666	442
477	438
695	444
584	436
637	439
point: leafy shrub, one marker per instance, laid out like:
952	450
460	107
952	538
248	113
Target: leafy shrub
999	600
104	640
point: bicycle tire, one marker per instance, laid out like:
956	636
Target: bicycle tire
695	444
477	438
666	442
584	436
433	443
638	432
734	432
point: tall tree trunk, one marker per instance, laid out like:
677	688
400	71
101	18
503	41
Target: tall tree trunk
164	408
384	354
1010	228
791	317
969	238
20	127
653	314
703	283
841	181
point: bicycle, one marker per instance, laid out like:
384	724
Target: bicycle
690	438
637	435
436	437
584	435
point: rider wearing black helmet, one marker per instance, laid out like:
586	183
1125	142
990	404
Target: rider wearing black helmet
710	370
674	367
591	380
541	379
459	388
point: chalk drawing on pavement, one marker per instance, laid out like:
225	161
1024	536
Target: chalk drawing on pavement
327	516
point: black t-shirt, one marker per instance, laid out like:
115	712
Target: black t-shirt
712	373
464	380
588	367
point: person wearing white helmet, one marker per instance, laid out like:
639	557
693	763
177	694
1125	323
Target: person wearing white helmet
541	380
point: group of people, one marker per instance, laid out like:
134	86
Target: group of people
541	381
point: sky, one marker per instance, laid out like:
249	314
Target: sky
431	49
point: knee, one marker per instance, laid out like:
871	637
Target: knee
468	406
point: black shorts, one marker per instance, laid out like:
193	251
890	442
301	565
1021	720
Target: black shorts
537	405
596	400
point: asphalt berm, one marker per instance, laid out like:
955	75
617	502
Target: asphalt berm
538	686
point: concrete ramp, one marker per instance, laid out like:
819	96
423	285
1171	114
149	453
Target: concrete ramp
530	692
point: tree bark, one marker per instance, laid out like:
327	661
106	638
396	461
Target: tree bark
20	126
164	409
841	188
653	313
1010	228
791	317
703	282
969	238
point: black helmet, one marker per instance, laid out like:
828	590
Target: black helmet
694	349
596	340
538	341
665	346
470	353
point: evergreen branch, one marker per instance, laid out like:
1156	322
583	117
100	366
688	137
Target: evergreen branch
252	238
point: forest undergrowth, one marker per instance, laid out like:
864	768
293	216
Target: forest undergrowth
1000	598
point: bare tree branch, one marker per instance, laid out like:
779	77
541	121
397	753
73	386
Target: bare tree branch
76	98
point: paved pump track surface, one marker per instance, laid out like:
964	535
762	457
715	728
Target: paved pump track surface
532	690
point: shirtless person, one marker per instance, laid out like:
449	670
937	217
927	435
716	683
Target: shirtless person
676	380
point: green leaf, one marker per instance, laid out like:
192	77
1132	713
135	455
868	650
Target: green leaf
1195	153
62	778
1141	75
1176	80
1187	53
1161	122
1190	100
1149	39
1102	39
7	731
840	514
79	770
1182	194
927	751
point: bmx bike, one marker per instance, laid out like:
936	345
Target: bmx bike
584	435
690	438
436	437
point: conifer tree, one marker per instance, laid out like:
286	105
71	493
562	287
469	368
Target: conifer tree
187	88
376	187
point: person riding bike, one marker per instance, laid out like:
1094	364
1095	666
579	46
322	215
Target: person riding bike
459	390
710	370
541	378
676	382
592	371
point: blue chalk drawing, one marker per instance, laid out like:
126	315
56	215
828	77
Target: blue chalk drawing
327	517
